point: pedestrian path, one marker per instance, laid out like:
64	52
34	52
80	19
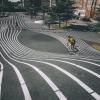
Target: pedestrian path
83	47
57	77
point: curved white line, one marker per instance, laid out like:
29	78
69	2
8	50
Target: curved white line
21	80
46	78
89	88
83	61
78	66
19	19
79	82
11	44
1	76
90	59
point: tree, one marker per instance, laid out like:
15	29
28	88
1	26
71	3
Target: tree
6	6
44	9
63	10
32	7
34	10
93	7
95	4
98	8
68	11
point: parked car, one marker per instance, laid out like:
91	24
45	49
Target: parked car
51	22
86	19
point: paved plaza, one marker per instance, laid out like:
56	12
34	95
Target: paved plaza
36	64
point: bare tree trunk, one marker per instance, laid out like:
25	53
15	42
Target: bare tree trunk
86	4
82	3
91	12
49	26
66	22
94	8
59	22
35	17
43	15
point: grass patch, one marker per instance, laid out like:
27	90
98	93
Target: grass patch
98	33
96	46
93	44
63	26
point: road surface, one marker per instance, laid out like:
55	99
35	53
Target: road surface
46	71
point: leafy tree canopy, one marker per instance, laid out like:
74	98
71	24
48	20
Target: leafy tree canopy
63	10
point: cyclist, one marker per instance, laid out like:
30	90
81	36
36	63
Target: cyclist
72	42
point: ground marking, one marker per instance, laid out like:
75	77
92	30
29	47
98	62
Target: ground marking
78	66
82	61
46	78
83	85
1	76
21	80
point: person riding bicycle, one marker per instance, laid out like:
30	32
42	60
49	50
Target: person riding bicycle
72	42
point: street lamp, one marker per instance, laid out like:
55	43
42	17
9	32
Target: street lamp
22	2
50	3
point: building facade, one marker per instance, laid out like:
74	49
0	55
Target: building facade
88	6
2	2
39	2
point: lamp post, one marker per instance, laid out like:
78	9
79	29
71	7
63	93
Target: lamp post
2	7
23	3
50	3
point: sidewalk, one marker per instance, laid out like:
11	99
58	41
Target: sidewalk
84	48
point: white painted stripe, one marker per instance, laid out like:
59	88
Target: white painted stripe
89	90
59	94
90	59
83	61
83	85
12	44
46	78
50	83
95	96
1	76
78	66
21	80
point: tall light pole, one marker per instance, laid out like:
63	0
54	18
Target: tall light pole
50	3
23	3
2	6
2	2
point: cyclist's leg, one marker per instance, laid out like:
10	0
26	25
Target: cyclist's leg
71	45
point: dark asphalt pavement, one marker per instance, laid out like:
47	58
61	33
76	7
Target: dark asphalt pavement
11	89
41	42
28	78
38	88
